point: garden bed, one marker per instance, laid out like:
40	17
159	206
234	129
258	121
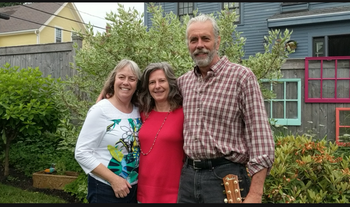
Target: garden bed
42	179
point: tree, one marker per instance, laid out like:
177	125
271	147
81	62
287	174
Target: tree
28	105
5	4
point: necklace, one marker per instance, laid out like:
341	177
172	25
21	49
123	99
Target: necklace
154	141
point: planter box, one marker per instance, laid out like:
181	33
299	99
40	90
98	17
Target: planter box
53	181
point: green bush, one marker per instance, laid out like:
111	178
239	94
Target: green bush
29	105
40	147
308	171
78	188
44	149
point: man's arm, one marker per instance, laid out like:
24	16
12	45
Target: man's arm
256	187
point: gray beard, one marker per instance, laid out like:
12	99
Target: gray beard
204	62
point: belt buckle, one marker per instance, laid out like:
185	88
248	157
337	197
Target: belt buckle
194	164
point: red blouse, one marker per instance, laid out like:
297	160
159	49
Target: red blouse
160	169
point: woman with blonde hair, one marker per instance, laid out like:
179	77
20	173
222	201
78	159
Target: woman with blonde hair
107	147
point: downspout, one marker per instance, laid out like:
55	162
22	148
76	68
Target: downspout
37	36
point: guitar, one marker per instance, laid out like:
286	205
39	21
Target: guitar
232	190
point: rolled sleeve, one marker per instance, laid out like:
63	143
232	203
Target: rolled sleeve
259	135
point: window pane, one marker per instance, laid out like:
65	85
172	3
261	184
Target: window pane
232	6
266	85
237	11
343	69
278	89
291	90
314	88
328	69
344	118
291	110
339	45
181	11
185	8
277	109
318	47
58	35
328	89
344	133
343	89
314	69
267	108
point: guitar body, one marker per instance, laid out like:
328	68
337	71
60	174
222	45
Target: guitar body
233	193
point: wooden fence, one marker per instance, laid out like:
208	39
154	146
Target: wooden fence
52	59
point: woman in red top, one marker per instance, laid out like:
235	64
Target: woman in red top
160	136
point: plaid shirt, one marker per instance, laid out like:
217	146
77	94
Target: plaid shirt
225	116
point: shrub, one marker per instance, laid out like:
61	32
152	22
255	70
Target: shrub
308	171
28	105
78	187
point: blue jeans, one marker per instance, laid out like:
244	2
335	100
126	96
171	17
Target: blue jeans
206	185
99	192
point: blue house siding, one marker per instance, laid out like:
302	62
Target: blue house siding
207	7
303	34
254	25
258	18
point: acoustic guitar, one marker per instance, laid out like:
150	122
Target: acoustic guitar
232	191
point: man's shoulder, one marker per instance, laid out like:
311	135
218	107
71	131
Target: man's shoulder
237	67
186	75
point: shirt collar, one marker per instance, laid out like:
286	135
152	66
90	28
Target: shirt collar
215	68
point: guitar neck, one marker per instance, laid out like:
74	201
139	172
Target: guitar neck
232	190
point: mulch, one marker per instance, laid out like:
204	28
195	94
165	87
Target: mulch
19	180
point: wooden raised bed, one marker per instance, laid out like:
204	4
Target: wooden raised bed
52	180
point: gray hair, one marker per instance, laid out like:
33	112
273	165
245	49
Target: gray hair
146	102
204	18
108	89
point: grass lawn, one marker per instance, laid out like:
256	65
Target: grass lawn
11	194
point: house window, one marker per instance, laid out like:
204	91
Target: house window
185	8
318	47
327	79
285	108
342	125
233	6
58	35
335	45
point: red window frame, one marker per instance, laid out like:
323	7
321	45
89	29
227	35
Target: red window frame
325	100
337	126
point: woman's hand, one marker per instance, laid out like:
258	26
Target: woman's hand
120	187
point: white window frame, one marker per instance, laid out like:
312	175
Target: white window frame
58	28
